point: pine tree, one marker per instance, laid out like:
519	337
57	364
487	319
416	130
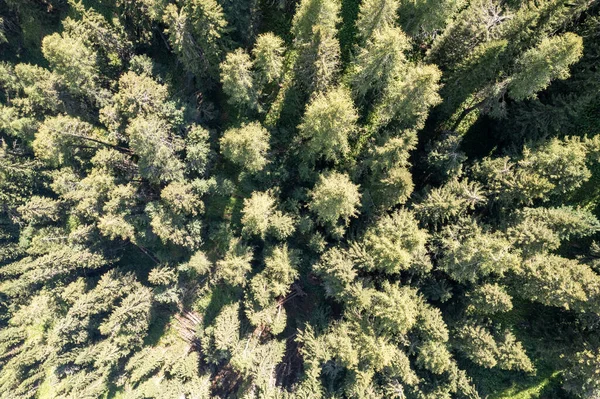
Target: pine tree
246	146
553	169
328	123
488	299
268	288
334	197
174	218
426	17
337	271
390	182
236	263
538	66
196	32
408	97
450	201
314	30
190	209
375	16
151	141
394	244
561	282
378	62
268	53
81	77
236	77
580	378
468	254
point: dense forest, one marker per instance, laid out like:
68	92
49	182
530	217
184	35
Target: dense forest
300	199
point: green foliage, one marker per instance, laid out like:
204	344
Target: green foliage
375	16
488	299
328	123
556	281
580	378
481	347
246	146
150	140
236	78
57	137
394	244
550	60
334	197
337	271
554	168
426	17
379	61
408	97
450	201
73	61
384	199
234	266
269	287
314	30
468	253
195	30
268	59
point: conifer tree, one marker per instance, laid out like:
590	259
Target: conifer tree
268	289
374	199
236	77
334	197
314	30
236	263
394	244
268	59
328	123
390	182
375	16
379	61
246	146
408	97
580	378
81	77
151	141
538	66
196	32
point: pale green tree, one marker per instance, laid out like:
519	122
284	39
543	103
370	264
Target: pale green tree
268	289
390	182
246	146
426	17
315	36
237	80
393	244
76	63
378	62
337	272
268	53
488	299
236	263
468	253
580	379
408	97
539	66
334	198
375	16
328	123
556	281
258	209
152	141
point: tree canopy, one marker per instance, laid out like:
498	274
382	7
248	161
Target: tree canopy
314	199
